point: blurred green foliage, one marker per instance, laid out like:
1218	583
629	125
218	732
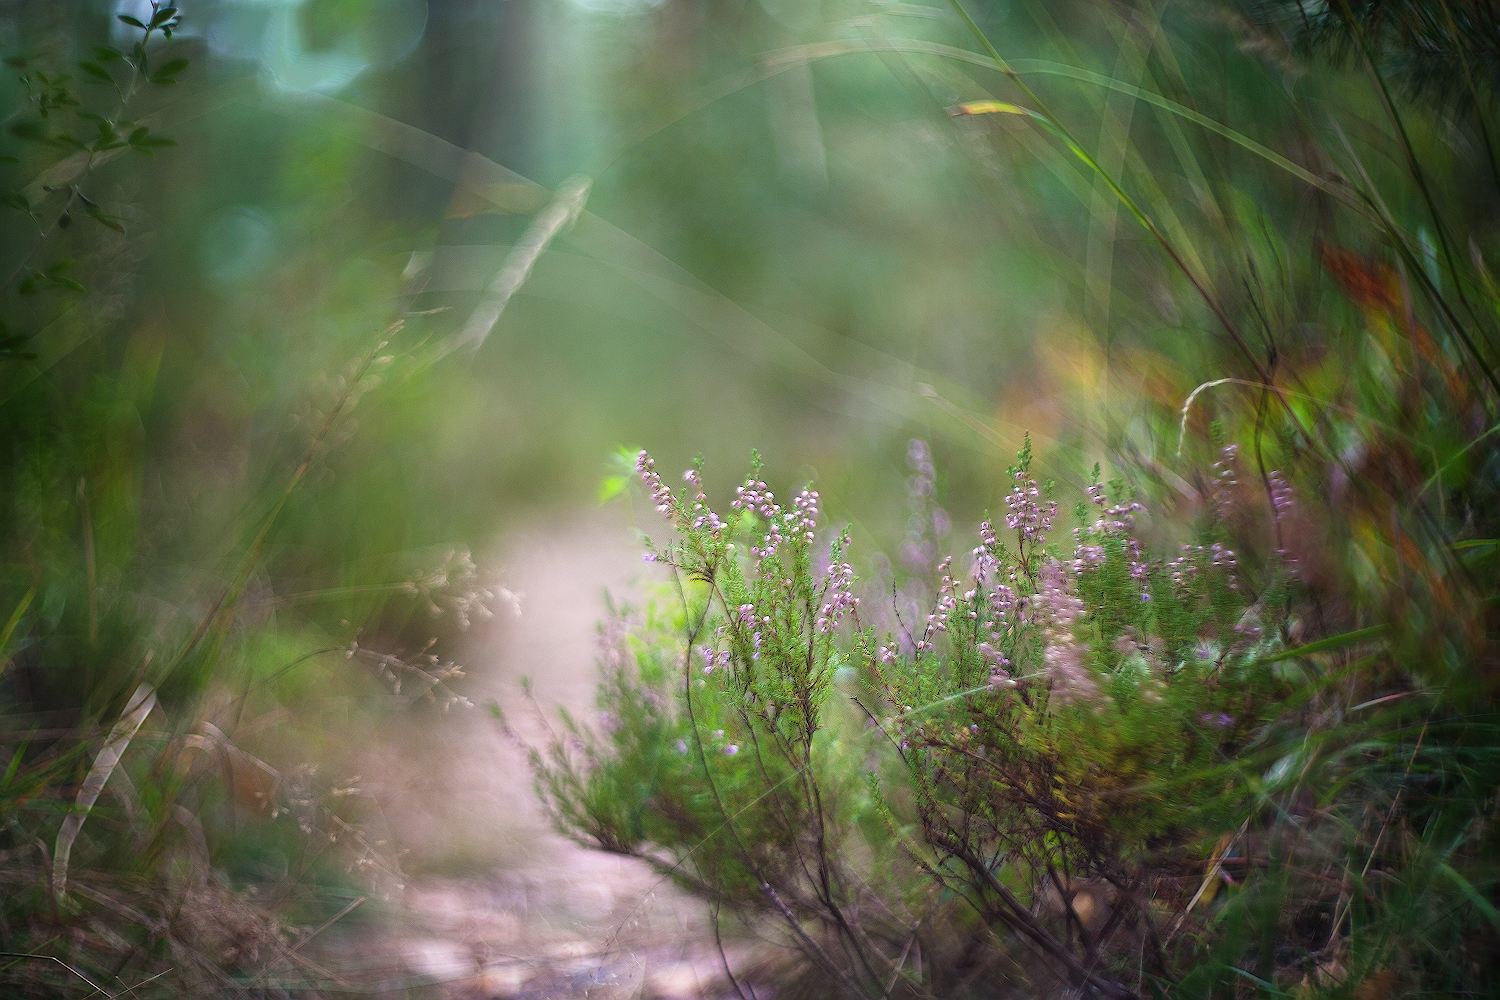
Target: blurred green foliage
789	241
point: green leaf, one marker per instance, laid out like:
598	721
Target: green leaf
1474	896
611	487
7	158
97	72
166	75
1332	642
17	200
30	129
154	142
15	764
107	221
163	16
142	141
105	54
16	62
134	22
10	347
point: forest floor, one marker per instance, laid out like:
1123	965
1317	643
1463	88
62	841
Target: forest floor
497	904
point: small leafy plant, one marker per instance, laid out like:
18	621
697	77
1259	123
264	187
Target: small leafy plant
56	118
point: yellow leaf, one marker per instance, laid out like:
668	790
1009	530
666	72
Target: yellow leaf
987	108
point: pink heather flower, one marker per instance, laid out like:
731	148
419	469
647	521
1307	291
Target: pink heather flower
1003	600
1282	497
839	587
992	655
702	517
661	493
731	750
1065	658
928	521
1224	481
1283	501
985	561
1026	514
1115	522
947	599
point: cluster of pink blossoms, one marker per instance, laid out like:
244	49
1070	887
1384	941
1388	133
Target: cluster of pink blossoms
947	602
1282	503
712	658
1224	481
1027	514
801	520
928	522
661	493
1184	568
840	600
702	516
1282	499
1065	660
1114	521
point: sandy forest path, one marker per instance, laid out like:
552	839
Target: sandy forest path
499	905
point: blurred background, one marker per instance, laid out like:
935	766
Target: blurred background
762	225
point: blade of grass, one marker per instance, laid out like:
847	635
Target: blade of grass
10	627
1050	121
1472	894
140	705
1370	634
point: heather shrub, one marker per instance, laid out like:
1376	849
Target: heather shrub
1062	717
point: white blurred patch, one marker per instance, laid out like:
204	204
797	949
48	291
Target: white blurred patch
303	46
439	959
237	243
